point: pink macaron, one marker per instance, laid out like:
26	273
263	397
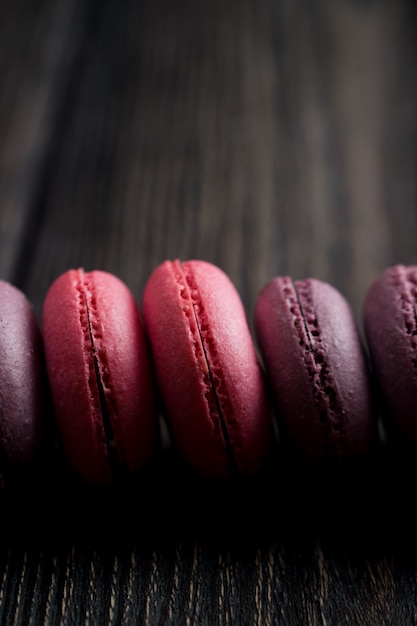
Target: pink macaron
22	390
100	376
318	371
210	381
390	317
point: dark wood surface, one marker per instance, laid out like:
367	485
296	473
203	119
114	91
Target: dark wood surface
268	138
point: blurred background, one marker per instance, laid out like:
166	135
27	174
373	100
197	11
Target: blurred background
267	137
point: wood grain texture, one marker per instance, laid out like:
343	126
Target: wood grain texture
39	51
265	137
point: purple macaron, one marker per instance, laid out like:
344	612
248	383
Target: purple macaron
21	387
318	371
390	319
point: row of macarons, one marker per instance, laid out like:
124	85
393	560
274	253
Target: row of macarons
111	367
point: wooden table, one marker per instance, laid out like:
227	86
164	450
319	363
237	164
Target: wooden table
268	138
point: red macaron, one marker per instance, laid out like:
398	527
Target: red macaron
100	376
318	371
22	397
390	318
210	380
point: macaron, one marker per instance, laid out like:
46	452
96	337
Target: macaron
100	376
22	387
318	372
211	383
390	320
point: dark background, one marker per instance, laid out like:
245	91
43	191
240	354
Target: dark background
268	137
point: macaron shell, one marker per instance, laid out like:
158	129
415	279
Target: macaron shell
234	366
73	385
125	370
349	369
186	305
122	362
179	366
22	384
317	368
391	330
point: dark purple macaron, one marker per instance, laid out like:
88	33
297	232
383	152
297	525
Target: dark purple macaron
390	318
21	386
318	371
